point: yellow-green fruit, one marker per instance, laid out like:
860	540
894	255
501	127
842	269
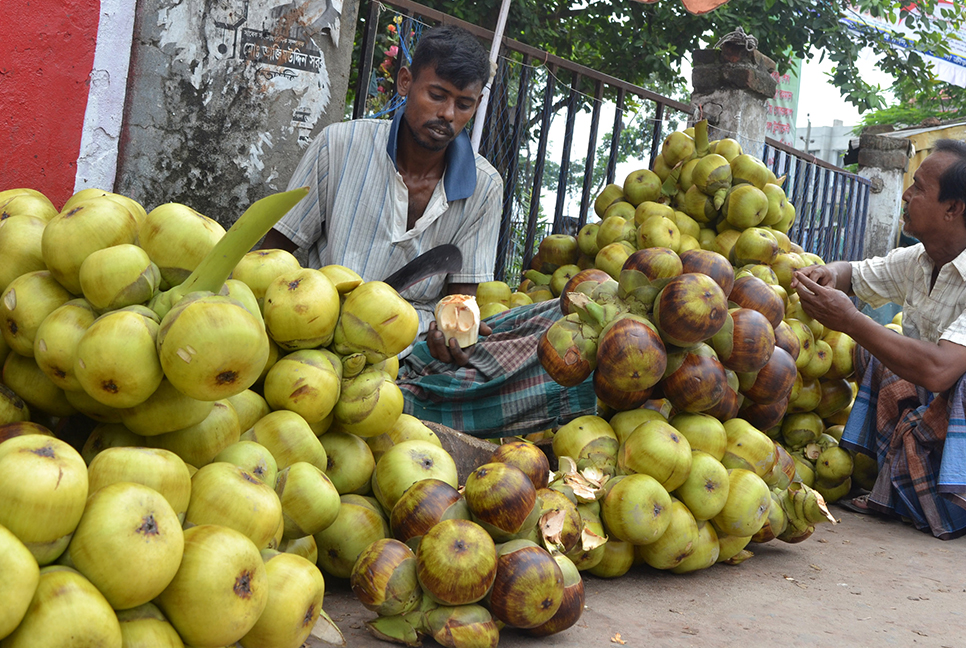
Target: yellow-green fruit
745	206
250	406
88	226
212	347
31	384
369	405
309	499
301	309
118	276
177	238
43	487
224	494
289	438
25	304
25	202
221	570
110	435
253	458
259	268
492	309
296	589
519	299
117	359
125	527
66	610
489	292
659	231
55	344
20	577
748	169
144	626
344	279
20	238
155	468
307	382
376	321
621	208
13	409
166	410
642	185
607	197
677	147
650	208
198	444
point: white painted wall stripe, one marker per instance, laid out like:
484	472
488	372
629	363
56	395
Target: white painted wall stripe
97	160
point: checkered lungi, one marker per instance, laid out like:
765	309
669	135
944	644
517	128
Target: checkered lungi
503	391
920	443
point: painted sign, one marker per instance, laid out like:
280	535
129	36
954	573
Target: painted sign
780	110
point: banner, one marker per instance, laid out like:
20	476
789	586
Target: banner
781	109
950	68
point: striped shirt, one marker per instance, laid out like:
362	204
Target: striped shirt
356	211
903	277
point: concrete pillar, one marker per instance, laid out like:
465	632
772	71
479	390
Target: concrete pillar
224	97
731	86
883	160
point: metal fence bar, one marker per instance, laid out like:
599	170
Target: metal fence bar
541	159
510	182
615	136
365	66
496	103
565	155
591	154
656	136
832	229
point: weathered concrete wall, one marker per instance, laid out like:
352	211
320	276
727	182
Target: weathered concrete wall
731	86
224	96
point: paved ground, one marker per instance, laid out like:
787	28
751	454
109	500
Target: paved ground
863	582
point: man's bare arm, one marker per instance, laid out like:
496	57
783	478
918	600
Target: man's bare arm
936	367
275	240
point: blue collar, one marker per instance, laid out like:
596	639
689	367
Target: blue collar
459	177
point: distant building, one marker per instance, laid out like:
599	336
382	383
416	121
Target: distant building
828	143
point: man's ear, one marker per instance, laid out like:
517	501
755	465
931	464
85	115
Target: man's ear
404	81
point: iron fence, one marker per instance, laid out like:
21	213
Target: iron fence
557	130
831	204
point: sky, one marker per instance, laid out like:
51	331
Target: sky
822	102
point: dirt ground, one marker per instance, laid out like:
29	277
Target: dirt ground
866	581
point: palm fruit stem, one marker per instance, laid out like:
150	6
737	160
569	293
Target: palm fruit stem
218	264
701	143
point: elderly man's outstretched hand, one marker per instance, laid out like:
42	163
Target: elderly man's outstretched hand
820	299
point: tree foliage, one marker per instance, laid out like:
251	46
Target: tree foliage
646	43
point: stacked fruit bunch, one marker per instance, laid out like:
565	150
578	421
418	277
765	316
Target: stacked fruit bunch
460	564
210	391
679	300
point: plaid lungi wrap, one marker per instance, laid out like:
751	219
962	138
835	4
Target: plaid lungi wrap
919	442
503	391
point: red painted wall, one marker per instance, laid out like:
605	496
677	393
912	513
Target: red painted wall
45	62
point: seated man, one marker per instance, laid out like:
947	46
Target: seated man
909	412
382	192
